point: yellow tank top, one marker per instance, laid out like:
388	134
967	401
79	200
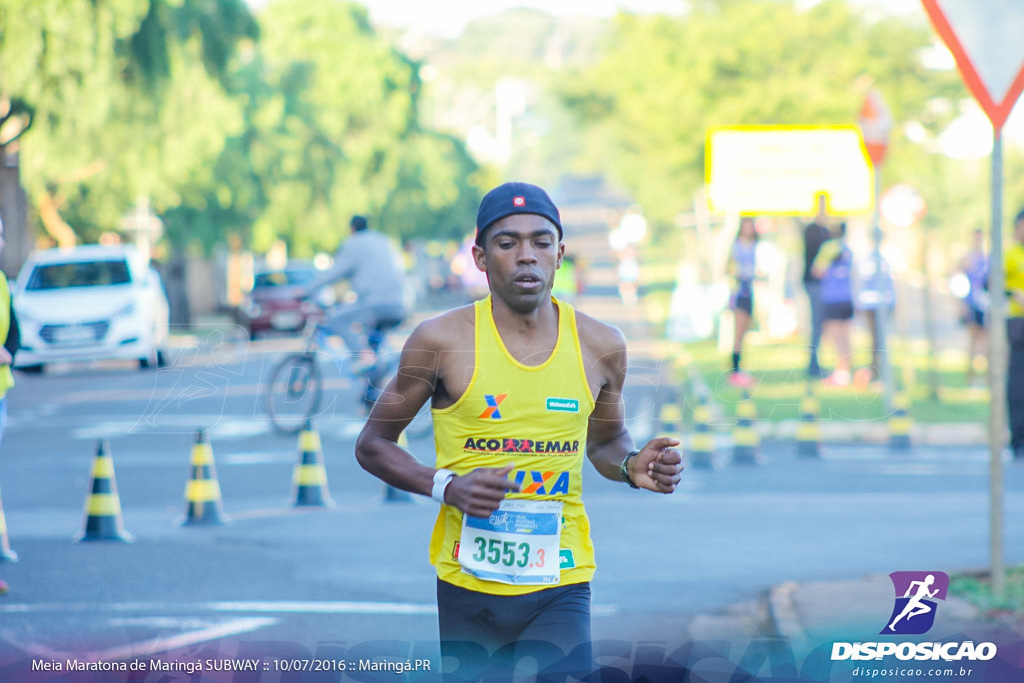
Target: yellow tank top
534	416
6	376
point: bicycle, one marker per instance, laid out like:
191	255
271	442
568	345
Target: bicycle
295	390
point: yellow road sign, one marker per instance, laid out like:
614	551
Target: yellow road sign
779	170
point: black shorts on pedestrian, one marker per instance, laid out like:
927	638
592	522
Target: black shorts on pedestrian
551	625
742	302
842	310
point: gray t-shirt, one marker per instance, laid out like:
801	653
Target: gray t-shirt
372	267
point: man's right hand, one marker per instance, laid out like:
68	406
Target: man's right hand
480	492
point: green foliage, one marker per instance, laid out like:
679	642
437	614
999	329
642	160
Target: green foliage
125	101
977	590
280	127
664	81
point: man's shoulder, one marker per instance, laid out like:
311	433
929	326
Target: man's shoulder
446	330
599	336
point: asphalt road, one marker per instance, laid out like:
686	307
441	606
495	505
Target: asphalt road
283	581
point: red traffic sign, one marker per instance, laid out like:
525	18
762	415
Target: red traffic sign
985	39
875	124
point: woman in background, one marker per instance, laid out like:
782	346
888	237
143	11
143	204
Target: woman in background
742	266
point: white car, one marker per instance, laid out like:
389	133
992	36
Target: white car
90	303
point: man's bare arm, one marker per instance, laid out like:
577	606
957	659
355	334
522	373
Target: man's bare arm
377	448
657	465
477	493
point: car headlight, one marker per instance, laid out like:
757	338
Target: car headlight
253	310
127	309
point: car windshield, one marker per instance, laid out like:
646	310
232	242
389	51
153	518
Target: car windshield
283	278
78	274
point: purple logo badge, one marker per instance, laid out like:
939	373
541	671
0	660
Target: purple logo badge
916	593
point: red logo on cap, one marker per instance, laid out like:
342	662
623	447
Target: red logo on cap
519	201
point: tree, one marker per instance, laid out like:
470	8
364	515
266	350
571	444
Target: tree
331	130
117	87
665	80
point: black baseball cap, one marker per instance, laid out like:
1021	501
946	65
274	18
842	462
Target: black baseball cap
512	198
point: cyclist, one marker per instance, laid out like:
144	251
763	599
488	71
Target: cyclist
521	388
373	268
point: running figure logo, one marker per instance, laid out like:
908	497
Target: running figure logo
916	593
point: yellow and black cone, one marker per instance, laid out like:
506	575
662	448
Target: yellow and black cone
900	425
310	477
670	416
103	506
393	494
745	440
702	440
202	492
808	432
6	554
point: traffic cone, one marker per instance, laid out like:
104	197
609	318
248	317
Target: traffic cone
6	554
702	439
202	492
900	425
393	494
808	432
103	506
310	478
745	440
670	416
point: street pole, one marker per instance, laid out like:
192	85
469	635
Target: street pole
875	123
997	371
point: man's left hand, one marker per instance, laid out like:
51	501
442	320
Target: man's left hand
657	466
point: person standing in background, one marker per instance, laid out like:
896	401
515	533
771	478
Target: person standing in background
11	341
742	266
975	268
816	233
873	295
1014	263
834	266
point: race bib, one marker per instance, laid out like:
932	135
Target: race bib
518	544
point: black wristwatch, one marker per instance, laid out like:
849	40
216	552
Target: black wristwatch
624	469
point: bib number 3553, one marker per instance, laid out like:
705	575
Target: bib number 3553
518	544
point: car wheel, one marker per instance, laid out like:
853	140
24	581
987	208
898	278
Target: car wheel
150	361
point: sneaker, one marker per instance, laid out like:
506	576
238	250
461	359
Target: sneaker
862	378
741	380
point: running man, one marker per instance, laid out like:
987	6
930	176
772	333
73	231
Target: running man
521	388
914	606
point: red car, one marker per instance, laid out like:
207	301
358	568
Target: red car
274	305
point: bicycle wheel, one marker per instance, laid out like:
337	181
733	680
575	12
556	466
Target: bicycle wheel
294	392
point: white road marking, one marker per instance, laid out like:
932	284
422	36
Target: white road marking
251	606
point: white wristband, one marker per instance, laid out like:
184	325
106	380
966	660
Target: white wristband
442	478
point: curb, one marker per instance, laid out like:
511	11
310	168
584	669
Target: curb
783	615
